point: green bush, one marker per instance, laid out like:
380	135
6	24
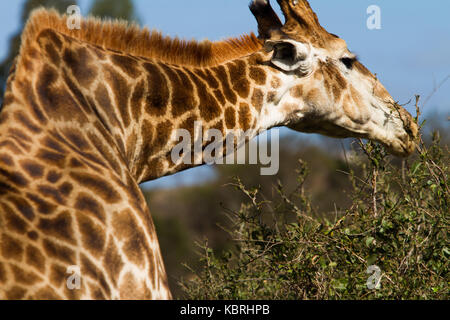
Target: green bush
283	249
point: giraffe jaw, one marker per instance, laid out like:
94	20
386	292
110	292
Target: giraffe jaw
394	127
402	143
401	149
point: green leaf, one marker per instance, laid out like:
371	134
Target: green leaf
340	284
446	251
369	241
371	260
415	167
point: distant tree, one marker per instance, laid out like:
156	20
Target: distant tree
14	46
115	9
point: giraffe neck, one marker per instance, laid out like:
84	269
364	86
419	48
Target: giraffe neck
80	128
229	98
136	105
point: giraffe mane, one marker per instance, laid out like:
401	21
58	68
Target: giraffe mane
123	36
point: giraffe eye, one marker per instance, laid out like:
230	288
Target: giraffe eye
348	62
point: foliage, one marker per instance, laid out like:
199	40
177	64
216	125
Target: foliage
398	220
197	208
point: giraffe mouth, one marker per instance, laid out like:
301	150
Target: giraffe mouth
405	144
401	145
401	149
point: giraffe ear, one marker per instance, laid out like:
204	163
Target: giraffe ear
289	55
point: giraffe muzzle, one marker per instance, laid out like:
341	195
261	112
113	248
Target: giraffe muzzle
404	142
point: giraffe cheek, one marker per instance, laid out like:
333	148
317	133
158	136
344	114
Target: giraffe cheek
318	101
289	108
354	107
349	107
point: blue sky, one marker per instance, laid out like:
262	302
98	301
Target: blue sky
410	54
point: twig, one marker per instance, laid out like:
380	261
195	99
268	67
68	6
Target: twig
374	192
436	88
256	279
418	113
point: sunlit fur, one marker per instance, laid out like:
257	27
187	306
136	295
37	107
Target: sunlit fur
90	114
130	38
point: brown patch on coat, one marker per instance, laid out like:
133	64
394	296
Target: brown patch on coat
245	116
275	83
258	99
297	91
230	117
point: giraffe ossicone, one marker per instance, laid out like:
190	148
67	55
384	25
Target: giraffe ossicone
90	113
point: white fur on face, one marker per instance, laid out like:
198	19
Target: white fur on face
367	112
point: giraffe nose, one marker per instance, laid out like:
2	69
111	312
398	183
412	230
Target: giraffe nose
406	140
412	131
400	134
409	125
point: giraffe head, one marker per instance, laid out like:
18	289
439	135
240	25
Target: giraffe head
325	88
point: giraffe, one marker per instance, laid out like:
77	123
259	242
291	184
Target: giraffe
90	113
